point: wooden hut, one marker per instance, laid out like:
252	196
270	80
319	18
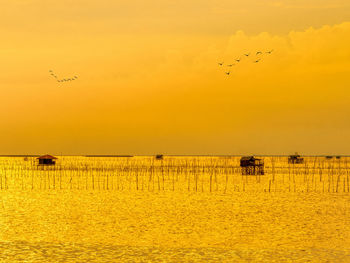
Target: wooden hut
252	166
295	159
159	156
47	159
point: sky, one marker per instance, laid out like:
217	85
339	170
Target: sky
149	80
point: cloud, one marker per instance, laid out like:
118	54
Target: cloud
303	84
312	5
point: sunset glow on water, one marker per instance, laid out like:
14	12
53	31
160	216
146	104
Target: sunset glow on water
58	213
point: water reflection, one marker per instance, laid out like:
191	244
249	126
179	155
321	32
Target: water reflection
130	224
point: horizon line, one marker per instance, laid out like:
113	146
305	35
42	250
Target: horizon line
178	155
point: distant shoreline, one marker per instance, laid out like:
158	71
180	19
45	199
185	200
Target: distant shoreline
176	155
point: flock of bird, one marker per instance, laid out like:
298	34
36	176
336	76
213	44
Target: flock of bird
257	59
62	80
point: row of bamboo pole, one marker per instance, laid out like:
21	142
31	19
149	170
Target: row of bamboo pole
191	174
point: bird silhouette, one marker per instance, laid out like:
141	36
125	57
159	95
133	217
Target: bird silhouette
256	61
238	60
269	52
228	73
230	65
220	64
258	53
62	80
247	55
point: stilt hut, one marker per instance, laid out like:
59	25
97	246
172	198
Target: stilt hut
295	159
252	166
159	156
47	160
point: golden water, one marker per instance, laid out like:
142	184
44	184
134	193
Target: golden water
101	210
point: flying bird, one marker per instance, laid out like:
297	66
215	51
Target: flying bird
230	65
247	55
269	52
238	60
62	80
258	53
256	61
220	64
228	73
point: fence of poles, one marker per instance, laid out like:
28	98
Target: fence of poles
187	174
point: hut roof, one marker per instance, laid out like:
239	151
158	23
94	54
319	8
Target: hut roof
248	158
47	156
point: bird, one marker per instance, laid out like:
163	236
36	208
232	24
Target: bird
247	55
256	61
220	64
61	80
230	65
228	73
258	53
238	60
269	52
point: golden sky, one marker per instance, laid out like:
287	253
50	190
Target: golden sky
149	80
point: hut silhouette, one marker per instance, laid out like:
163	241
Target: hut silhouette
159	156
295	159
47	159
252	166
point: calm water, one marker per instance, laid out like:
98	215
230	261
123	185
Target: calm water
129	225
